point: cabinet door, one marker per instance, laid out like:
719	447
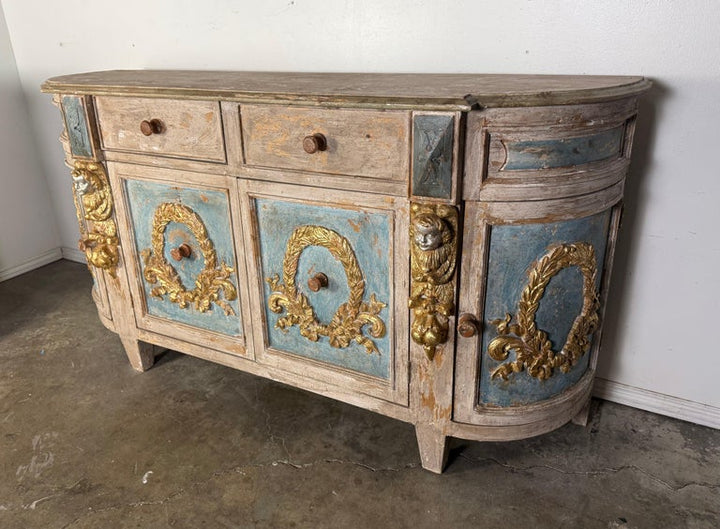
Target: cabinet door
535	283
178	236
331	287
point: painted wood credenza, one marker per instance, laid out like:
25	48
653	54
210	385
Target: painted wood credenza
435	248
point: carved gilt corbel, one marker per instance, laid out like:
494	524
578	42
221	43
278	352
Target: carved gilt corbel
94	207
433	253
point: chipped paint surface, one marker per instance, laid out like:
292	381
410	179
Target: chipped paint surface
432	155
369	234
565	152
77	126
513	250
213	208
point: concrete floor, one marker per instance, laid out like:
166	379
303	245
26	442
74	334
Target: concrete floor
85	442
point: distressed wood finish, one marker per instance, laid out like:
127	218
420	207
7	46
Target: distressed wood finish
365	143
190	129
482	178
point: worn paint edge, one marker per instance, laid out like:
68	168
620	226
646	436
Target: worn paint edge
645	399
469	102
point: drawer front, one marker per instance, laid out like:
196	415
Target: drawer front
185	129
547	152
185	256
368	143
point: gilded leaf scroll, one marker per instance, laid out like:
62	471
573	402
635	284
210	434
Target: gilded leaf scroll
433	237
99	239
533	350
210	282
350	318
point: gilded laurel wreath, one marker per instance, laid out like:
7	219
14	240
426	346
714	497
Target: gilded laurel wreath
209	283
350	318
533	350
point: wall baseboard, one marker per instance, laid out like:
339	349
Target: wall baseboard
31	264
647	400
73	254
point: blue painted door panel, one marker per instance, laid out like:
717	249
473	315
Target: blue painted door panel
512	253
369	234
212	207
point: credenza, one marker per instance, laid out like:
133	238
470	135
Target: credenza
435	248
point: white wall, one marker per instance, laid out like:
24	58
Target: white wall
28	238
661	317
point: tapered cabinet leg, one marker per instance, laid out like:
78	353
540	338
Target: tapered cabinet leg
433	445
581	418
140	354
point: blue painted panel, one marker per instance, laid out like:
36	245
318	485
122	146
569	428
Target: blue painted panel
213	208
546	154
77	126
513	250
369	235
432	155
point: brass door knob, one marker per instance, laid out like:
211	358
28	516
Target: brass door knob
184	250
468	325
318	281
314	143
154	126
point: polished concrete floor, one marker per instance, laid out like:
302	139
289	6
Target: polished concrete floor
85	442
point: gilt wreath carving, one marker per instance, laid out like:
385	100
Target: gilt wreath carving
350	318
210	282
533	350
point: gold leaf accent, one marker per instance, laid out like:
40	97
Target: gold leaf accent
350	318
209	283
533	350
433	252
98	238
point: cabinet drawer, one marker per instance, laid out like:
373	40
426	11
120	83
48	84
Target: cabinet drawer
547	152
368	143
186	129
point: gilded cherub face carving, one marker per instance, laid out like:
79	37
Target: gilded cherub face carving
428	232
82	186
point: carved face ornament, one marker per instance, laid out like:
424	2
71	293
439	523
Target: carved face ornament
428	232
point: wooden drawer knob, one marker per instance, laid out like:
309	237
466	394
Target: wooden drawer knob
184	250
314	143
318	281
468	325
154	126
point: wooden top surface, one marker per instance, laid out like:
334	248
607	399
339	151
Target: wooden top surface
441	91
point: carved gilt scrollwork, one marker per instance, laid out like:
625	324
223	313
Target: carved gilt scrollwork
350	318
433	249
210	282
93	203
533	350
